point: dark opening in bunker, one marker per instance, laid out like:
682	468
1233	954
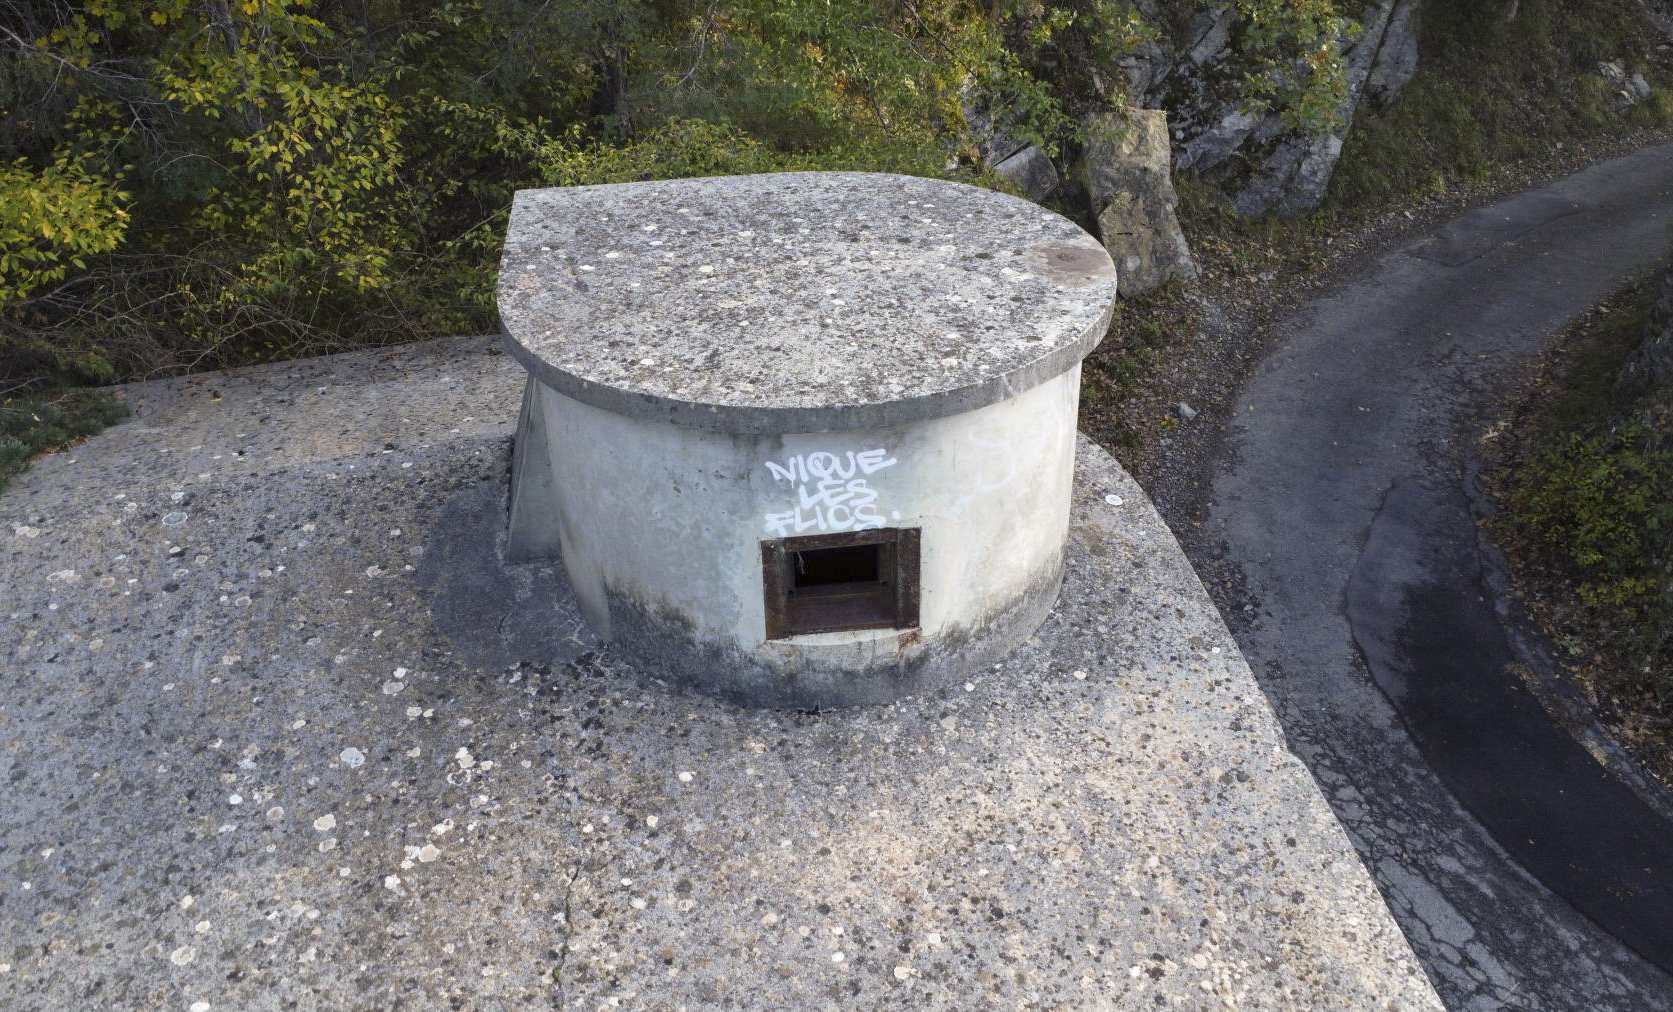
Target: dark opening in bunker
836	582
821	567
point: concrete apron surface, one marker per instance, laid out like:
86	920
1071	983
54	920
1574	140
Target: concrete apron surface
280	729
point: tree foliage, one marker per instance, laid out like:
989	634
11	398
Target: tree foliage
205	182
1293	51
51	221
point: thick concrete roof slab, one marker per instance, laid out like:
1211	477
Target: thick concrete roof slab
797	302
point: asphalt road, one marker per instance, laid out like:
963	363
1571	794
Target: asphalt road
1524	875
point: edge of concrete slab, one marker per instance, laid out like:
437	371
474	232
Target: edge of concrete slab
282	727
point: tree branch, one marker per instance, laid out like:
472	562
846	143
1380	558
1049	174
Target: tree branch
702	42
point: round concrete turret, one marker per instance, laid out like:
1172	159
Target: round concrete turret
800	439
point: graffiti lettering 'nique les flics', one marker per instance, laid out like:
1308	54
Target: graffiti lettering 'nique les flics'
833	492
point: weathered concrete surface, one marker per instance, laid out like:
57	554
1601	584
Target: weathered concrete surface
280	729
662	527
797	302
663	432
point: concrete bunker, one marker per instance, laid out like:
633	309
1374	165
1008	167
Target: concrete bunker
800	439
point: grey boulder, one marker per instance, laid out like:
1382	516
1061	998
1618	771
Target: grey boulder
1024	165
1126	172
1031	172
1293	177
1396	59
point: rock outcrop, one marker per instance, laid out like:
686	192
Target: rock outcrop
1031	171
1660	13
1293	177
1626	90
1126	172
1396	59
1198	78
1273	166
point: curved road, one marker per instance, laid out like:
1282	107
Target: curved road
1343	499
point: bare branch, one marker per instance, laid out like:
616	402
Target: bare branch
102	70
702	42
516	40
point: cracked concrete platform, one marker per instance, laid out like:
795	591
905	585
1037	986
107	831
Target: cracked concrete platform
280	730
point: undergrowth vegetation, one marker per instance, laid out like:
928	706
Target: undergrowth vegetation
1491	89
195	185
32	425
1591	508
1144	331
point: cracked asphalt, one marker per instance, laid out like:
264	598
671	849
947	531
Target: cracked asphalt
1376	386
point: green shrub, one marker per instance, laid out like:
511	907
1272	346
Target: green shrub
1607	507
37	424
1603	506
188	186
1595	501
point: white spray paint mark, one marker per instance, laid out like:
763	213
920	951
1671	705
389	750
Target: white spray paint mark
832	492
996	461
